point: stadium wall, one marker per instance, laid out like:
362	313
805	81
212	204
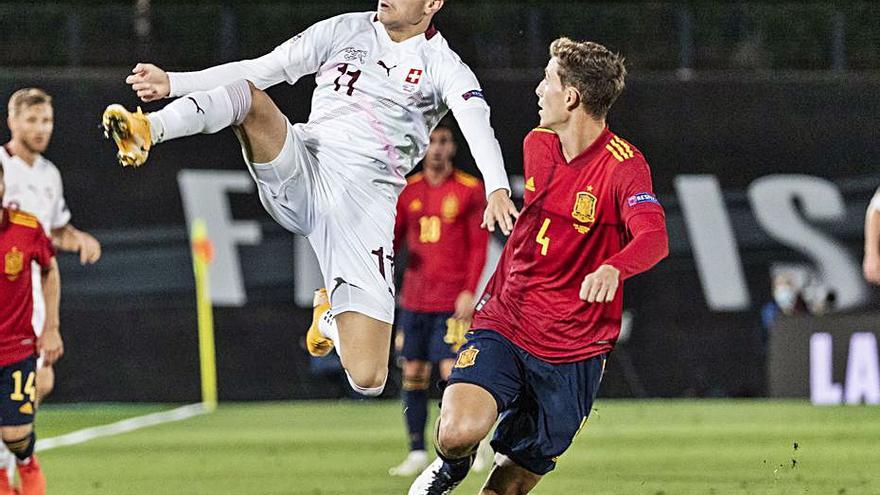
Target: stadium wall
130	320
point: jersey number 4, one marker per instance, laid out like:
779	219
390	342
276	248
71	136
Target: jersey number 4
542	238
352	78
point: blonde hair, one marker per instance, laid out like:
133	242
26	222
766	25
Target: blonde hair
595	71
26	98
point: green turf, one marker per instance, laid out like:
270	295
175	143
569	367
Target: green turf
629	447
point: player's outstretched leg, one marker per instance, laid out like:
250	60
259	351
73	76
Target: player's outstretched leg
466	416
203	112
367	366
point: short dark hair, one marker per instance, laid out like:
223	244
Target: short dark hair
447	123
595	71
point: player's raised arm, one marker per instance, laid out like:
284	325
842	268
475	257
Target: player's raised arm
462	94
303	54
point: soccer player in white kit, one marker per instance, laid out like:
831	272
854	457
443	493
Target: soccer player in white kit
384	80
33	185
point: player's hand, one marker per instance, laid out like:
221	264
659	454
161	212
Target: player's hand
49	345
88	247
464	305
149	82
601	285
500	211
871	268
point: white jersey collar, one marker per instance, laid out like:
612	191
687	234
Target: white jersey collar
410	42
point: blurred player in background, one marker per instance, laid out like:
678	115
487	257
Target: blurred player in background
33	185
551	312
23	242
438	218
384	80
871	263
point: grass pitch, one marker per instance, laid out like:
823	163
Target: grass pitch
323	448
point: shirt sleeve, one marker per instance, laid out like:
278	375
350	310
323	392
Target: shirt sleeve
477	238
535	152
301	55
643	216
477	130
649	245
461	92
633	190
43	249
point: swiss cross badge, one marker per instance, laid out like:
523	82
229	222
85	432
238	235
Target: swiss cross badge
414	76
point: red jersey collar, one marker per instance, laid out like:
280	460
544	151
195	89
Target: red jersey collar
591	153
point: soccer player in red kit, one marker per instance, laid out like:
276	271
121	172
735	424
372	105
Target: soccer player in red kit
551	313
438	218
22	241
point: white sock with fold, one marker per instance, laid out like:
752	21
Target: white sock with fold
328	328
202	112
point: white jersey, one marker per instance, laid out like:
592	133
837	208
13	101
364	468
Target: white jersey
35	189
376	100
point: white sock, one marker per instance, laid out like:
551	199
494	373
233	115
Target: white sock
202	112
328	328
369	392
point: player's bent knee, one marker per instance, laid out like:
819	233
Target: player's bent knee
459	437
20	440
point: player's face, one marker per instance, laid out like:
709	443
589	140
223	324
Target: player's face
441	148
32	126
398	14
552	97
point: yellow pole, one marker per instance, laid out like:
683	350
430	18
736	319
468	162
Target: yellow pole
203	253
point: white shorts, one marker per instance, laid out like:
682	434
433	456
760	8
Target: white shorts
348	222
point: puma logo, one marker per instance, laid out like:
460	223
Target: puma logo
198	108
339	283
387	69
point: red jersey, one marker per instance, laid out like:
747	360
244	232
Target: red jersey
447	248
22	241
575	217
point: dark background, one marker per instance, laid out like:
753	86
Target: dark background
737	91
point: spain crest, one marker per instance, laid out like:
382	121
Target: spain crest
13	264
467	357
449	208
584	207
